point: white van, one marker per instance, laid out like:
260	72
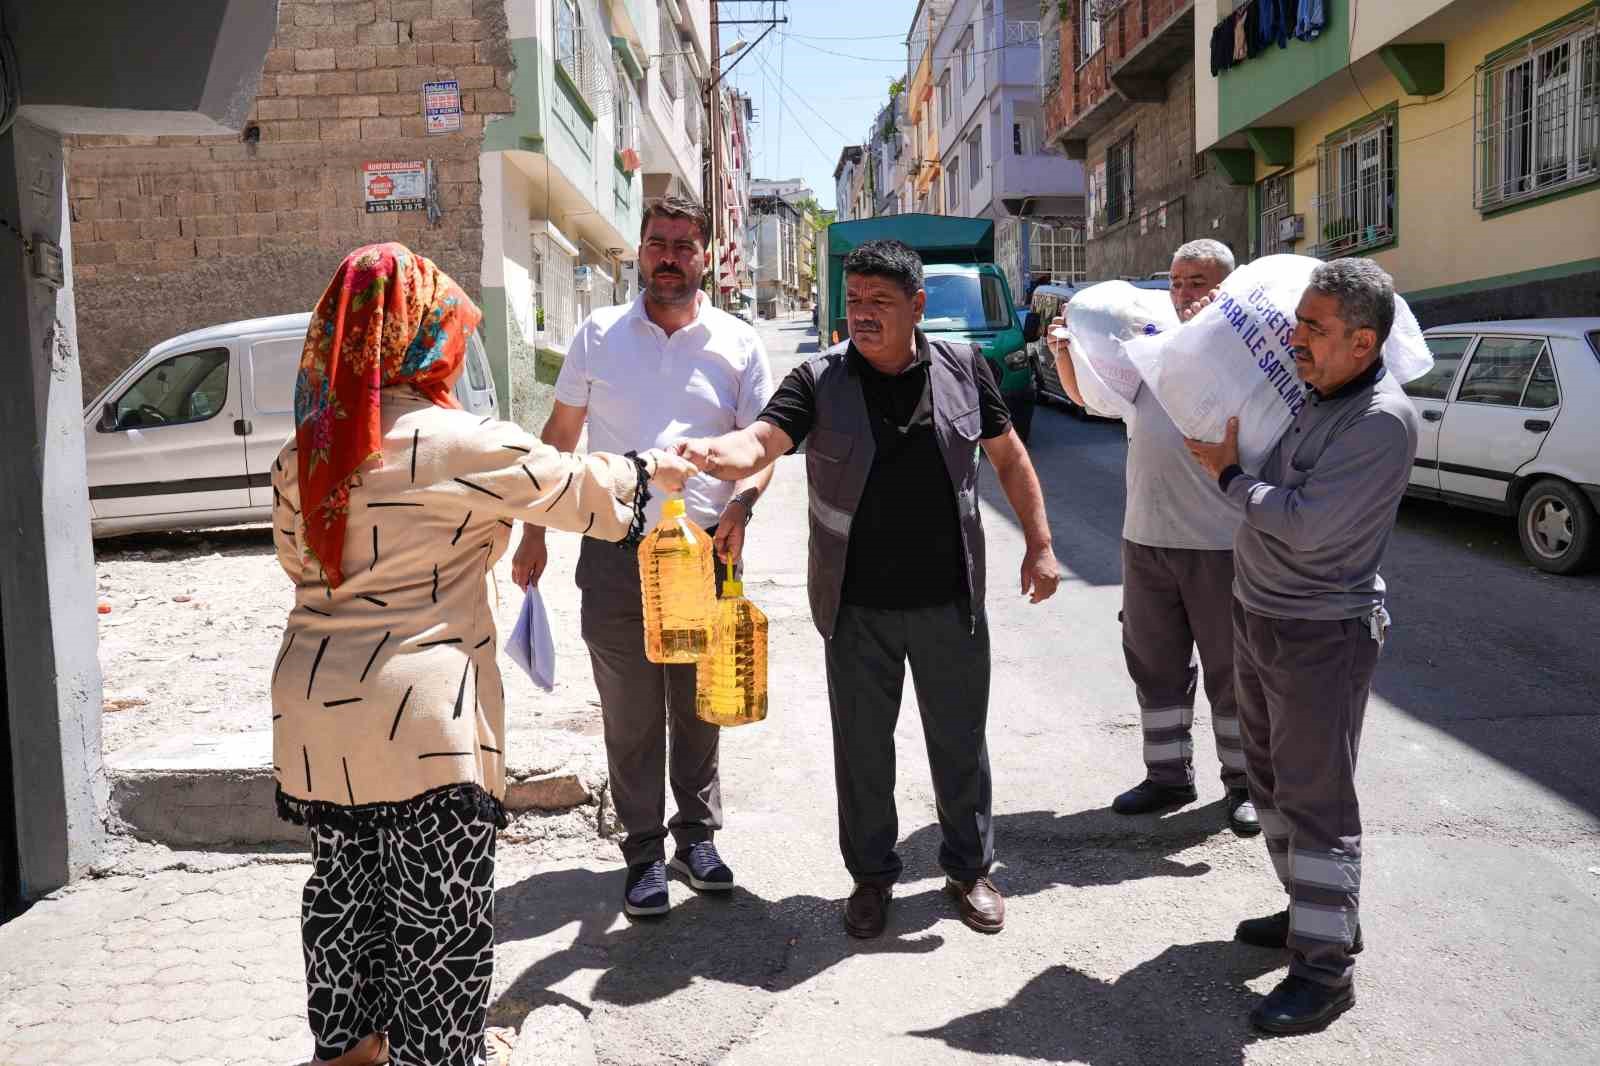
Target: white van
186	436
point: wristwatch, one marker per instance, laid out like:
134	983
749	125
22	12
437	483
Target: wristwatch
748	498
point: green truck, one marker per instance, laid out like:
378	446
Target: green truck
968	298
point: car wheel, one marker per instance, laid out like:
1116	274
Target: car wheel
1557	527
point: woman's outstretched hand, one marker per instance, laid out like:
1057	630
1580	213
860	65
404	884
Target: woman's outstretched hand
668	471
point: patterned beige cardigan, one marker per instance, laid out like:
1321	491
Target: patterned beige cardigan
387	689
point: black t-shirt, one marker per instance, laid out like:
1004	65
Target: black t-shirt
905	539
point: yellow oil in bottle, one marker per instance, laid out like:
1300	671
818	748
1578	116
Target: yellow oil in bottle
679	592
731	682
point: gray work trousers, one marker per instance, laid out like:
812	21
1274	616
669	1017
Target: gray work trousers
866	663
1175	600
1302	689
642	704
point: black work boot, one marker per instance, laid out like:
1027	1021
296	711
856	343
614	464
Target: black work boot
1273	932
1300	1005
1242	817
1147	796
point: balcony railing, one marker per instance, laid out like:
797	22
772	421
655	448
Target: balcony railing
1142	42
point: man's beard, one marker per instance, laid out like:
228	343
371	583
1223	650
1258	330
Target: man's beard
661	294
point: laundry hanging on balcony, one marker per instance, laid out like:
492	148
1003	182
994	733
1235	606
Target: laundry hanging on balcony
1252	28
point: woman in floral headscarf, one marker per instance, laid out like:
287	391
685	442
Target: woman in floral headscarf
391	507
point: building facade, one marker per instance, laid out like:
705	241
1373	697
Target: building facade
175	233
886	160
849	184
1124	103
924	180
534	131
785	246
1456	143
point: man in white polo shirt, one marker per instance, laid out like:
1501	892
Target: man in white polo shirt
645	375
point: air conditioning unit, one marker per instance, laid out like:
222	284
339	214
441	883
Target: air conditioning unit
1292	228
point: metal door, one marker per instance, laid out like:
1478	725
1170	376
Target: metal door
271	365
1504	406
1429	393
170	441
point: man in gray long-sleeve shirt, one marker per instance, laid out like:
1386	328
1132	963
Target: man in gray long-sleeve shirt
1309	621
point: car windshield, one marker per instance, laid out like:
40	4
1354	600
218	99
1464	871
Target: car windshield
965	301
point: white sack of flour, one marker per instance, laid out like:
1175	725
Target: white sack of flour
1098	320
1233	357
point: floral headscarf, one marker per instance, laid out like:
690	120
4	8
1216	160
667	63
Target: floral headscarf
388	317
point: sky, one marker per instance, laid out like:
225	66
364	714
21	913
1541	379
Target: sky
809	101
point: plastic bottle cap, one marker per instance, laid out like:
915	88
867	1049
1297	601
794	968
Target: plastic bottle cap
732	588
673	507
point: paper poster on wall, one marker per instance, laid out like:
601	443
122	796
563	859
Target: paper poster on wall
1144	222
1161	217
392	186
441	103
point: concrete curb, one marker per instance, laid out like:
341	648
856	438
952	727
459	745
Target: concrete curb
196	792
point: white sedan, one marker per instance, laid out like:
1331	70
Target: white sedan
1509	425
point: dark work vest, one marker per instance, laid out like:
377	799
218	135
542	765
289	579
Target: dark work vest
839	453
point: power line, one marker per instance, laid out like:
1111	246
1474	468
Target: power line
798	124
802	100
901	62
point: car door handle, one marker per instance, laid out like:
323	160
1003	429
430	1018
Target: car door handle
242	427
1537	425
1433	416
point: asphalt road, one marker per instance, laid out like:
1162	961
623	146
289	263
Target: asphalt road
1481	905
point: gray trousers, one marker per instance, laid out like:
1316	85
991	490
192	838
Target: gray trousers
1302	697
866	663
1174	600
643	703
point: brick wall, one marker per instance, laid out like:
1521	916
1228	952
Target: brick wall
171	234
1164	174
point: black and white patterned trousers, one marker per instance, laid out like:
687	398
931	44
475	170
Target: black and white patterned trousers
398	928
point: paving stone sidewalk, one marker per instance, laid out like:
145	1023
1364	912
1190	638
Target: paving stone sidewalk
180	966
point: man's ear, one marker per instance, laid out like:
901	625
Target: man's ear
919	302
1366	341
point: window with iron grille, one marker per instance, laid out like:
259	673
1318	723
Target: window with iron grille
1090	37
969	62
1274	196
1356	188
1119	181
569	40
1538	115
945	110
1057	250
975	155
626	108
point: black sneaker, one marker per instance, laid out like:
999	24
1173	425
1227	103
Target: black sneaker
704	868
646	894
1300	1005
1242	817
1273	932
1147	796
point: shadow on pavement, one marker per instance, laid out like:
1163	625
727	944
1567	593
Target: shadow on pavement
1080	469
1039	850
1187	1005
233	540
755	942
743	939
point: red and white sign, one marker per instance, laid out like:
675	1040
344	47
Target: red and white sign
395	186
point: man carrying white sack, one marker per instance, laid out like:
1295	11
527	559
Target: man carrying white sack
1309	621
1177	580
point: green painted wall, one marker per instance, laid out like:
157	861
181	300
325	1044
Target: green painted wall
530	91
523	399
494	329
1256	86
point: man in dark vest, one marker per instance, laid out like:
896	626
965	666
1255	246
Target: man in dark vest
892	424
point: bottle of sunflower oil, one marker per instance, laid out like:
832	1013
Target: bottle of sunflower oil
731	682
675	579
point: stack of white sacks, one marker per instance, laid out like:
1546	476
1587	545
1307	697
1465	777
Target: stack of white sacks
1231	359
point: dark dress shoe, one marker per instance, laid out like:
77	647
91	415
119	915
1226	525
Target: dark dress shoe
866	912
1147	796
1299	1005
982	907
1242	818
1273	932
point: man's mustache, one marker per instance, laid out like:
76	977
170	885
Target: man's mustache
667	272
1300	353
870	327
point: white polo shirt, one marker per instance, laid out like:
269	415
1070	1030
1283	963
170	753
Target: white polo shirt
644	389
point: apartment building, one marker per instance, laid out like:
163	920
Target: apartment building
1456	143
986	71
886	160
849	184
785	246
924	188
1120	96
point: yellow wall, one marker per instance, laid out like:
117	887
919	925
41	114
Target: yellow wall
1443	239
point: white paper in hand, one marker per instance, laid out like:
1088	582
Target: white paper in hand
531	646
